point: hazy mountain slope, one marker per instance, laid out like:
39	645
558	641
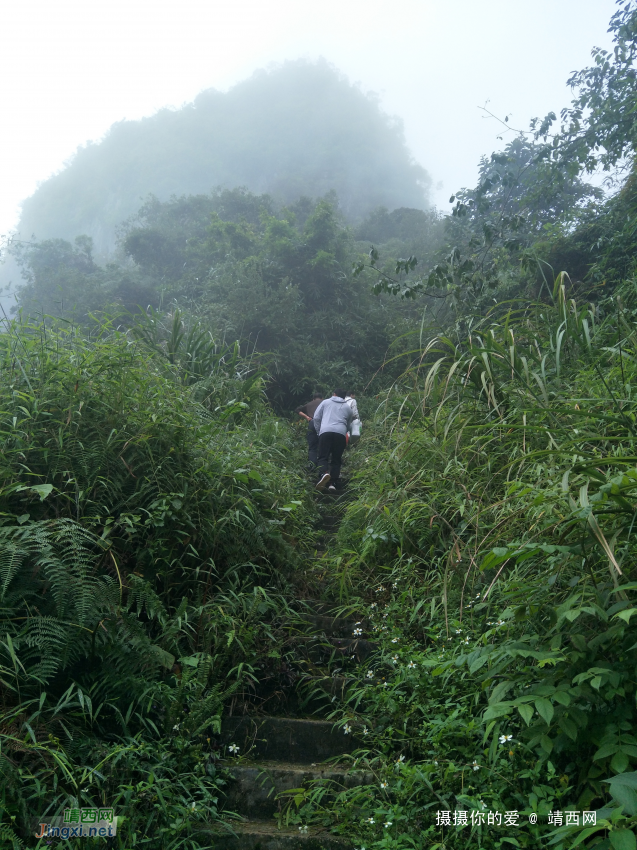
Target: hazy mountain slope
299	129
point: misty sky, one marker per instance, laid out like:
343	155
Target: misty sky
71	68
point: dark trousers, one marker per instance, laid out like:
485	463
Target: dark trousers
330	451
312	444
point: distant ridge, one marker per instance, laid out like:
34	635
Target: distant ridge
296	129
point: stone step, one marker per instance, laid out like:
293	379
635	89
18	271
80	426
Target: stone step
317	606
264	835
321	649
292	740
358	648
330	626
256	787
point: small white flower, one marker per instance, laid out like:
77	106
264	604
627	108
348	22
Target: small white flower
466	640
385	684
357	632
84	790
233	748
395	640
359	623
395	585
193	806
365	730
370	674
380	589
411	665
303	830
475	765
176	727
387	824
500	623
435	762
401	759
484	805
347	729
394	659
504	738
371	820
374	605
384	785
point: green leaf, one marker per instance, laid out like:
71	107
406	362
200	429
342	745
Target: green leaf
165	658
499	691
619	762
627	780
545	710
42	490
605	751
562	697
526	712
622	839
626	614
477	663
568	727
546	744
626	797
498	710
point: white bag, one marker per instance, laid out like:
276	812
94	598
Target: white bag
355	431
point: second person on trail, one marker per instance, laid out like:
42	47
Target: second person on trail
332	420
307	412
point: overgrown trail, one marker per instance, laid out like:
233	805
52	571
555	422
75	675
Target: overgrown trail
294	746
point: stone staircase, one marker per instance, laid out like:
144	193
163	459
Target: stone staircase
285	752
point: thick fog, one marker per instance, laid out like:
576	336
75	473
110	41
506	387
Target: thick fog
73	68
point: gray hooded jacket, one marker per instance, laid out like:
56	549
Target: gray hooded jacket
334	414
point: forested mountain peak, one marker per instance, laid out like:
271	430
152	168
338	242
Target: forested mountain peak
300	128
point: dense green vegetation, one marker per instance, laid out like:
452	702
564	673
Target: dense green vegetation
146	498
279	280
298	129
494	520
156	525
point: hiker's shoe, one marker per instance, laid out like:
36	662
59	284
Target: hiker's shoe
332	487
323	482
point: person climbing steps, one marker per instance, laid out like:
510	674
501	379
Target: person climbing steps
332	420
